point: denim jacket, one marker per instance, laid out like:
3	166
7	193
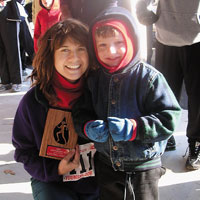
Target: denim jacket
142	94
137	92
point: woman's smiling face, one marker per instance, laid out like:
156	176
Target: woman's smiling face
71	60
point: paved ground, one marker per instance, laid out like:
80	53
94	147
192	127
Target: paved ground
176	184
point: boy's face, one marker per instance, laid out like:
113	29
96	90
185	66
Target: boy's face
71	60
111	49
47	3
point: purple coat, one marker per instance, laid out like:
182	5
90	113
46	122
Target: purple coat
27	135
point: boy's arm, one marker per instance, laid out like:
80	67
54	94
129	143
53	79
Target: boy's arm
85	119
161	112
83	112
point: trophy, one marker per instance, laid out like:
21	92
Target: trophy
59	134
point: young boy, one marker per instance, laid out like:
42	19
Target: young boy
129	111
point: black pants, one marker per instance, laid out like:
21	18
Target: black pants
10	58
112	183
13	33
26	40
180	64
58	191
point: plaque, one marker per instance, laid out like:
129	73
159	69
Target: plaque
59	134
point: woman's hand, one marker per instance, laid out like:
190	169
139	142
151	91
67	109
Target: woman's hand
69	162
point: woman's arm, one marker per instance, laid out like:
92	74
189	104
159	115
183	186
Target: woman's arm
26	137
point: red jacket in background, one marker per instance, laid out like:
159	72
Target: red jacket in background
45	19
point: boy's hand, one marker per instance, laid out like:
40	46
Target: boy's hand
121	129
69	162
96	130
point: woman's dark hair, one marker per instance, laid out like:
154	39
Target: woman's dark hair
43	62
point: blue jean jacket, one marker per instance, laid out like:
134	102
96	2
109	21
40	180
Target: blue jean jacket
141	93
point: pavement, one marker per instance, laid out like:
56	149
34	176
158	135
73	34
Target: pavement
176	184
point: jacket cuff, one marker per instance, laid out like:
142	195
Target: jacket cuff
134	129
85	127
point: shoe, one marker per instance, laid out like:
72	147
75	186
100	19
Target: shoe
5	87
16	87
171	144
193	160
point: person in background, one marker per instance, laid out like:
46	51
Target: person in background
35	9
127	109
13	33
65	10
2	4
177	57
46	17
26	40
60	69
87	10
28	8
